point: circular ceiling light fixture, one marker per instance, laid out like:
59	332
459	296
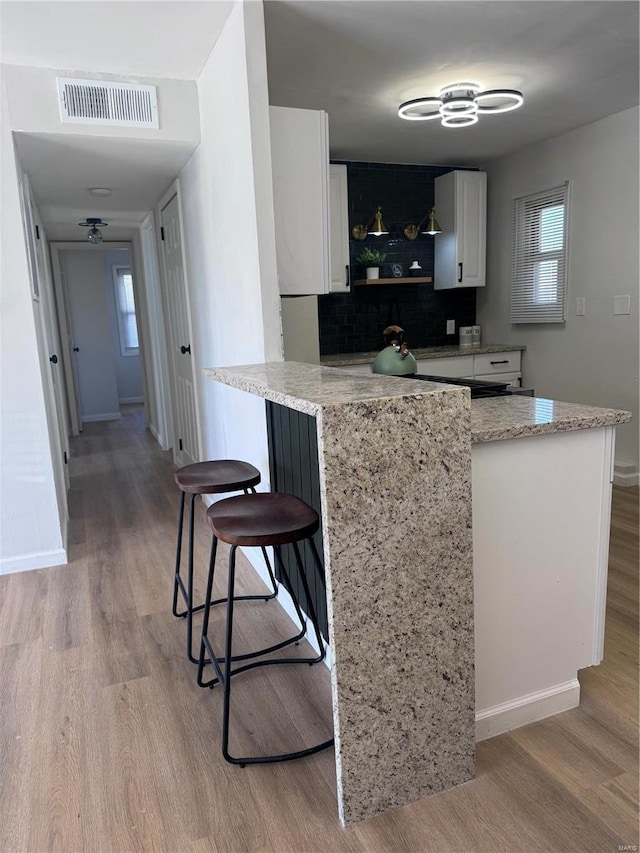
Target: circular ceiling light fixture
94	235
460	104
99	192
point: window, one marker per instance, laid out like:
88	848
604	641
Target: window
540	256
126	311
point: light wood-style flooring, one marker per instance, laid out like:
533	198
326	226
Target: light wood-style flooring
107	744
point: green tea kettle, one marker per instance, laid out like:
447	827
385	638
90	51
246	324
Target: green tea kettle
395	359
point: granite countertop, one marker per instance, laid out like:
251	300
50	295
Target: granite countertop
343	359
311	387
499	418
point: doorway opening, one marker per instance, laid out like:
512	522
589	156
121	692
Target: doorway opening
95	292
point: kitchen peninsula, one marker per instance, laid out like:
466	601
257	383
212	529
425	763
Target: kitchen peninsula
395	465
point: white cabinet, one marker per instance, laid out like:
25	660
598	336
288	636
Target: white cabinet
300	167
460	250
494	366
491	367
310	204
496	362
456	367
339	229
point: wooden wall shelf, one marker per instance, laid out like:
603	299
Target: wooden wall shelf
411	280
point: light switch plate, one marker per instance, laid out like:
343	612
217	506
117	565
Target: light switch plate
621	304
451	327
581	306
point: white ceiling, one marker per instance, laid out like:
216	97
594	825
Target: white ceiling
148	38
63	167
575	62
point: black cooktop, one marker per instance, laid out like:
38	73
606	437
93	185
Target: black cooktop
479	388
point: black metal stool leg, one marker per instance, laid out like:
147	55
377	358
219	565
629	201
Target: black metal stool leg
204	641
177	579
190	608
225	678
226	681
310	606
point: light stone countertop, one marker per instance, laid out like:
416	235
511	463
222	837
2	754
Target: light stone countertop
343	359
310	388
499	418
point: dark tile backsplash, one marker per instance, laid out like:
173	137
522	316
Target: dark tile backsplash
353	322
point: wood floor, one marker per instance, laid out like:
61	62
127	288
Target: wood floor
107	744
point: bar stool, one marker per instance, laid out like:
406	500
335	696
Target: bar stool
264	519
209	478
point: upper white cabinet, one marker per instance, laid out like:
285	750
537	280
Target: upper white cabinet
460	250
300	165
339	228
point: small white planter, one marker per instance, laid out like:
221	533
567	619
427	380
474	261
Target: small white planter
373	272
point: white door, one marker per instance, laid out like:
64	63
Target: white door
91	334
66	341
52	337
185	430
47	346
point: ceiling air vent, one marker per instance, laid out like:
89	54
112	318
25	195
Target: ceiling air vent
101	102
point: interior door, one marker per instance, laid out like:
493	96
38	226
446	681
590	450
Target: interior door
52	336
185	431
91	334
48	356
66	341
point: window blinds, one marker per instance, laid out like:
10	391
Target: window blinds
540	256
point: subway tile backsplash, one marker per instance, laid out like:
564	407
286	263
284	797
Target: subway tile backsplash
353	322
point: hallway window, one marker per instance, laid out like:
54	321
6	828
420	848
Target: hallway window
126	307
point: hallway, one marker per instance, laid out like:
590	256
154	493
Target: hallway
107	744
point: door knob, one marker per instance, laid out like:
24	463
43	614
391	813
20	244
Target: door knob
186	349
53	359
76	349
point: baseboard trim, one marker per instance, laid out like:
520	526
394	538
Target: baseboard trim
105	416
626	475
527	709
29	562
124	400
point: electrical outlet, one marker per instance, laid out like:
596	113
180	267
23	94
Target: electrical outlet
451	327
581	306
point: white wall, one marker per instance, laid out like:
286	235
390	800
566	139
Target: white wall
229	237
128	369
30	531
591	359
33	105
92	332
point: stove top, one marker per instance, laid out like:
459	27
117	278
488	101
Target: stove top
479	388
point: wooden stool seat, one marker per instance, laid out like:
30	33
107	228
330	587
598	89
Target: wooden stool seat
262	519
216	477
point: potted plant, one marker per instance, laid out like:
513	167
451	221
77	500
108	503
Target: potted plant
371	260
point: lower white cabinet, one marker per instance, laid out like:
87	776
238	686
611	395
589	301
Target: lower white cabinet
513	380
496	362
456	367
490	367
